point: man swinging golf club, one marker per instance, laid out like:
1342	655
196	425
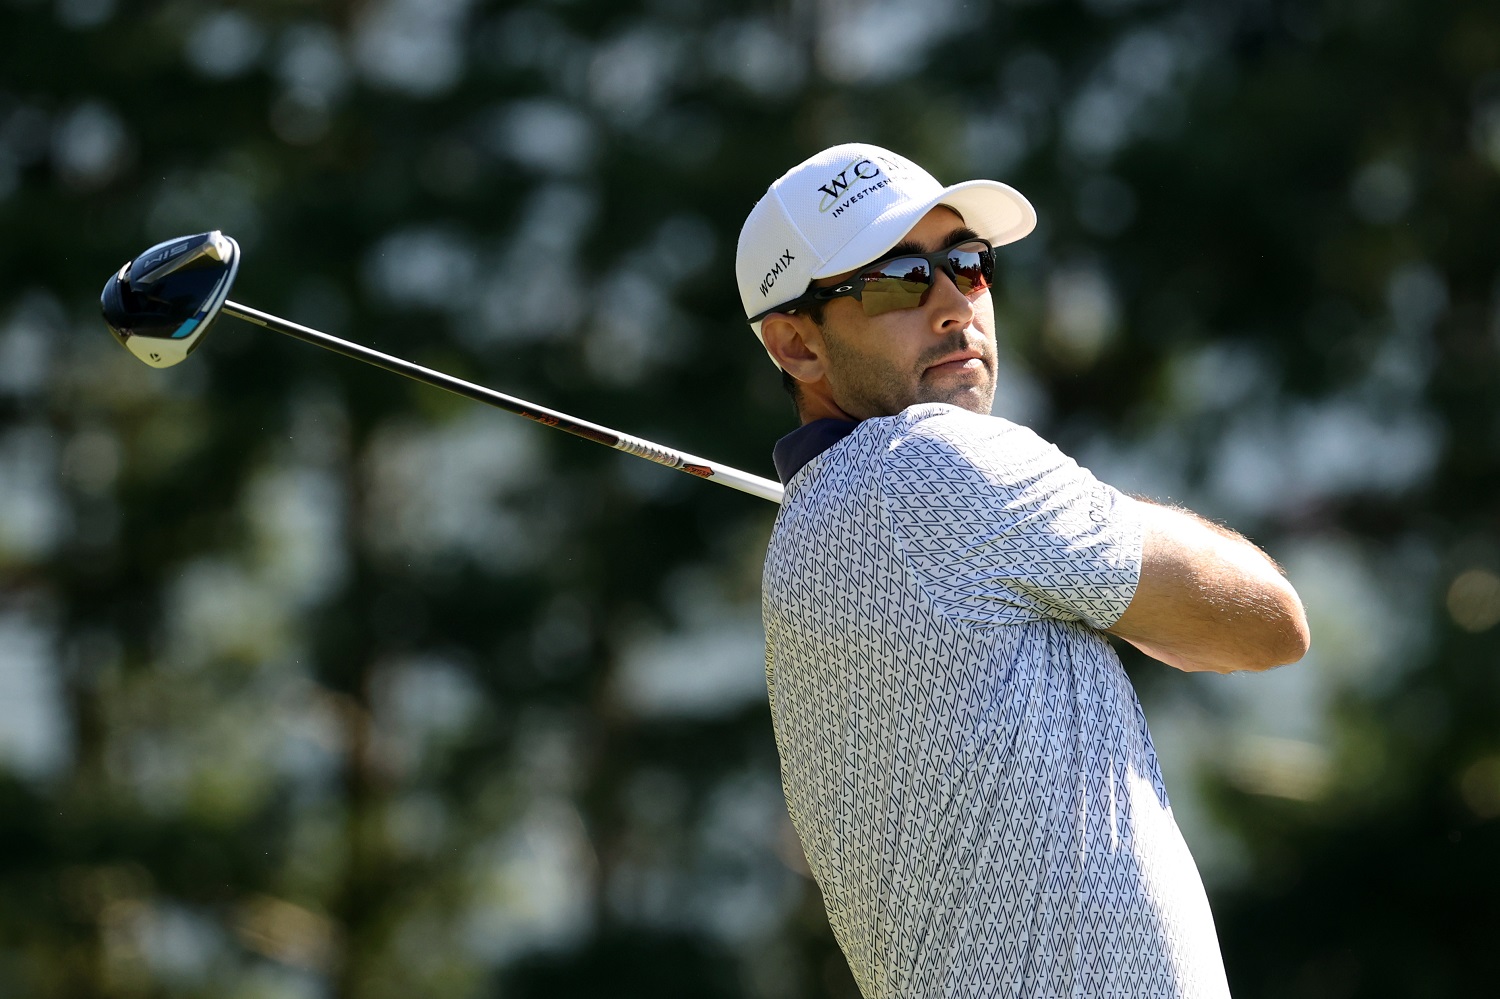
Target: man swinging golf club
964	759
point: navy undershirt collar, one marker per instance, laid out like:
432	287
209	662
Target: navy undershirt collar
806	443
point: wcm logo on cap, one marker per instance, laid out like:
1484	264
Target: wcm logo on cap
863	169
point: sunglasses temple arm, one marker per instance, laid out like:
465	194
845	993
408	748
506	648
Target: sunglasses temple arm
701	467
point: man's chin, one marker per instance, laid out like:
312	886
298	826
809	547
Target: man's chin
975	398
975	404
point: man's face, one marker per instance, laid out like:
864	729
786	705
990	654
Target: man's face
941	351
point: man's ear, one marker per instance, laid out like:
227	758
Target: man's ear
794	342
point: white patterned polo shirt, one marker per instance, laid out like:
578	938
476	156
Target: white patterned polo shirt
964	759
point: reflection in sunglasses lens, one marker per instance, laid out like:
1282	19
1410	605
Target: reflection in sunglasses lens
887	294
903	283
973	267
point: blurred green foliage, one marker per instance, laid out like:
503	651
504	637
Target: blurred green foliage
316	683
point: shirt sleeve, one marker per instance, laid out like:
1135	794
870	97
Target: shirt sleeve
1000	527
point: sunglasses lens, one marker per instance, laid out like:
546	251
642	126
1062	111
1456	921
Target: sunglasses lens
903	283
895	284
973	267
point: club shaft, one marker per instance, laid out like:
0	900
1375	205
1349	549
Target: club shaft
701	467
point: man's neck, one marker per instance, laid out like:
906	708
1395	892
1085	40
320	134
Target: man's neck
813	407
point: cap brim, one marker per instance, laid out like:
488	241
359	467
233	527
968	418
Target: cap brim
996	211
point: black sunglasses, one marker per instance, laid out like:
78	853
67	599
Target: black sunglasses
903	281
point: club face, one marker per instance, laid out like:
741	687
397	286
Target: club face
160	305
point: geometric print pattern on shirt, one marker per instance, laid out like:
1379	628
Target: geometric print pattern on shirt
963	757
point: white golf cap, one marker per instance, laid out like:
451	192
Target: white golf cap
847	206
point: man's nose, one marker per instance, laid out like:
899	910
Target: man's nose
949	304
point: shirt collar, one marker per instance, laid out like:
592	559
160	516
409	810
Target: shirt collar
806	443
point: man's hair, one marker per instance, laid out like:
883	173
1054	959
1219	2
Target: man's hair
793	388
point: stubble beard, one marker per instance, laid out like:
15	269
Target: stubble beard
872	388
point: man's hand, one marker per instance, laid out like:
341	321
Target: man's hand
1209	600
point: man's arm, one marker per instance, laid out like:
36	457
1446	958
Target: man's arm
1208	600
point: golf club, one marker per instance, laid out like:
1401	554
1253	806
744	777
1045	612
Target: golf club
161	304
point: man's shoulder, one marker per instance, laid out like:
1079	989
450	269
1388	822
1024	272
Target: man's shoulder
941	418
937	420
921	440
934	431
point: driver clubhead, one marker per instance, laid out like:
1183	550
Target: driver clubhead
160	304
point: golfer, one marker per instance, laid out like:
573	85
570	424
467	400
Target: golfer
964	759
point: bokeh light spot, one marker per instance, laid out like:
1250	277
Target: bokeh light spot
224	44
1480	787
1474	601
90	146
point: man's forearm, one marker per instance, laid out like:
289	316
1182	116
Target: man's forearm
1210	600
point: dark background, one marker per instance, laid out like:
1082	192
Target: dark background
316	683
